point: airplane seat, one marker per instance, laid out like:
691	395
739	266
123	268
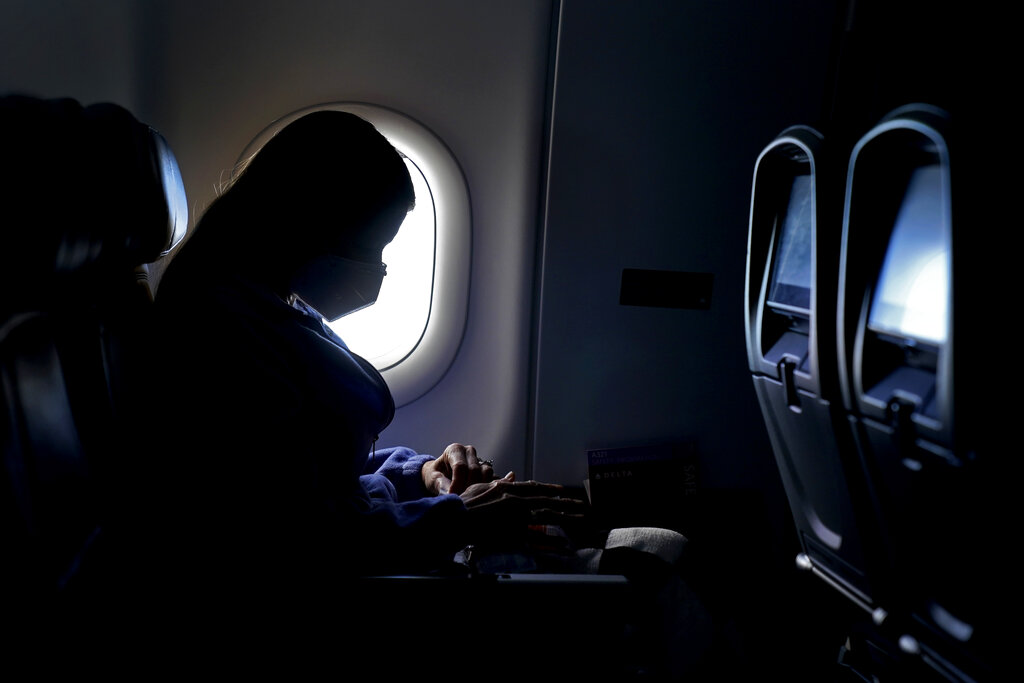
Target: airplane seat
790	336
90	196
902	357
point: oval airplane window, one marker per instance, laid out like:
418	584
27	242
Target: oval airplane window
412	332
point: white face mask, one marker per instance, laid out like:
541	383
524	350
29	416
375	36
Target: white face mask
334	286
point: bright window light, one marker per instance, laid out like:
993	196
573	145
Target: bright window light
389	330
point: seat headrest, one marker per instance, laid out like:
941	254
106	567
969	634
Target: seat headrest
84	191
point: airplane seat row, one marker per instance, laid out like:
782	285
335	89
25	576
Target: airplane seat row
91	196
855	260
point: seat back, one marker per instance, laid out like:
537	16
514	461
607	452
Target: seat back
791	352
90	196
853	341
905	264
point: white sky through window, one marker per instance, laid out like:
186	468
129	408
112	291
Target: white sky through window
389	330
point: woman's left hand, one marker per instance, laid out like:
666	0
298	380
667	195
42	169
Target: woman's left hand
455	470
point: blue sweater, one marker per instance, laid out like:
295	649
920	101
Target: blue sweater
273	470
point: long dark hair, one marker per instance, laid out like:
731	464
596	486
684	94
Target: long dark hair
315	186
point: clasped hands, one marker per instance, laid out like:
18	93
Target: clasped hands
502	501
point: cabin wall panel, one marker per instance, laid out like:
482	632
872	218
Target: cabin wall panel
55	48
661	109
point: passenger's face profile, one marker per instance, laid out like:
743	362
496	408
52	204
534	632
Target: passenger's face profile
375	235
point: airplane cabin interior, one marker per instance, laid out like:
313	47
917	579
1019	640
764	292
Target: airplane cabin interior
732	273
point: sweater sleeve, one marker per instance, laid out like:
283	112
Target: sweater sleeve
403	523
394	490
394	473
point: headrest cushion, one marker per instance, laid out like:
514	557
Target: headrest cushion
83	190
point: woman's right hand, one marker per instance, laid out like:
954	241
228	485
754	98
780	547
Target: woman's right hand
509	505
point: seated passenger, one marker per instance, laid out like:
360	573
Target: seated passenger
270	469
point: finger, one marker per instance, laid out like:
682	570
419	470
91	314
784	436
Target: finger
498	488
486	471
526	495
474	470
455	456
485	492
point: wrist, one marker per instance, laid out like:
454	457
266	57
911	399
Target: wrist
430	475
